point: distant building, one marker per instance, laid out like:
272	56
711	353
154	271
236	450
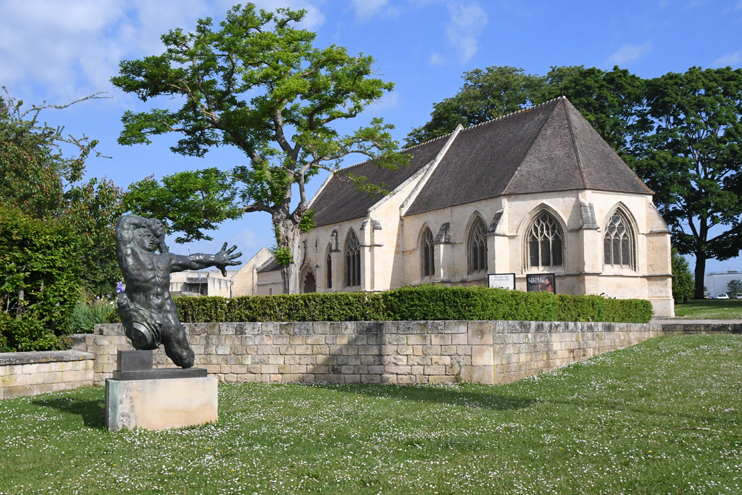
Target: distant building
537	192
242	282
716	282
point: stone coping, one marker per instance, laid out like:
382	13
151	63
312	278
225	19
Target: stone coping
33	357
697	326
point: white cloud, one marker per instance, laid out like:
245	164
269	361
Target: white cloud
368	9
465	25
728	60
74	47
248	239
437	59
628	53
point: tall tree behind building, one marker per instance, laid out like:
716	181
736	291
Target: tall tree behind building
687	147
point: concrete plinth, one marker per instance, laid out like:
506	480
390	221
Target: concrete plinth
162	403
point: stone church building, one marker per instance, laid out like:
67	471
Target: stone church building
534	192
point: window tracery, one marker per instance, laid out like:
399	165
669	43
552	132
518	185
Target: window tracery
477	252
427	253
352	261
544	242
618	242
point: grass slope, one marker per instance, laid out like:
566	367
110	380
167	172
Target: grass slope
661	417
722	309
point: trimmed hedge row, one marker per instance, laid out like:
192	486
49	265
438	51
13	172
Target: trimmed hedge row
427	302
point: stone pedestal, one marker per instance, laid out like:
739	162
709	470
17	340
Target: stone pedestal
141	397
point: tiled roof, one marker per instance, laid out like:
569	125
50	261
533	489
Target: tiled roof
270	266
339	200
546	148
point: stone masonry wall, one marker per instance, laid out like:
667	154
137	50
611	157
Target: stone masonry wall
402	352
32	373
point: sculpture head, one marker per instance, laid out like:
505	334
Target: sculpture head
146	240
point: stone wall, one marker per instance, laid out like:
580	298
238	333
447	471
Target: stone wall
404	352
32	373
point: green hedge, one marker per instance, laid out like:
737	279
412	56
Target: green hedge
39	270
427	302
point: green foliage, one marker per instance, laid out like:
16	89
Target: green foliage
734	287
39	270
283	256
427	302
38	177
687	146
435	302
605	98
307	221
86	316
189	202
351	306
682	280
258	83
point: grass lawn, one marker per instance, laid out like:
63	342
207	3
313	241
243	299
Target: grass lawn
716	309
662	417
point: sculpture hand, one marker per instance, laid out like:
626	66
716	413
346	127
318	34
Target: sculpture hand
225	258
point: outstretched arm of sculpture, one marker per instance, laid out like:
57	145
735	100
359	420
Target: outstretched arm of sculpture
221	260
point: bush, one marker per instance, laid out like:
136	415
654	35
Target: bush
86	316
427	302
39	269
344	306
683	284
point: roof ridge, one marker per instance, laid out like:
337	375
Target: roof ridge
522	110
429	141
573	138
486	122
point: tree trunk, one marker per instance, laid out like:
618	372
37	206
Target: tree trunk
290	237
700	272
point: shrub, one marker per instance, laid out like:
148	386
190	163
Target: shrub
427	302
683	284
39	269
86	316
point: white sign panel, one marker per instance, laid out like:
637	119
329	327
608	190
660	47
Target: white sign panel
502	281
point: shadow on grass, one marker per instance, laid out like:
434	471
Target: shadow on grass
91	411
434	395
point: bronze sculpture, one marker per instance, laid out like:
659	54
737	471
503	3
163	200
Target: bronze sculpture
146	309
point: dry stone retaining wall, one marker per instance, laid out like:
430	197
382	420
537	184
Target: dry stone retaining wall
32	373
402	352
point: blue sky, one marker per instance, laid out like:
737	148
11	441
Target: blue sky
60	50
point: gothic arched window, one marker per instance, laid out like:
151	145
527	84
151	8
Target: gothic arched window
477	247
328	269
310	284
426	253
618	241
544	242
352	261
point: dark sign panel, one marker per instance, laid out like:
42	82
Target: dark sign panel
543	282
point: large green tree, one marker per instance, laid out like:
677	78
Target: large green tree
607	99
687	147
39	176
258	83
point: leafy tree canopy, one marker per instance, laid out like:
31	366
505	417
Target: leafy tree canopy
258	83
605	98
686	147
39	178
682	280
734	287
